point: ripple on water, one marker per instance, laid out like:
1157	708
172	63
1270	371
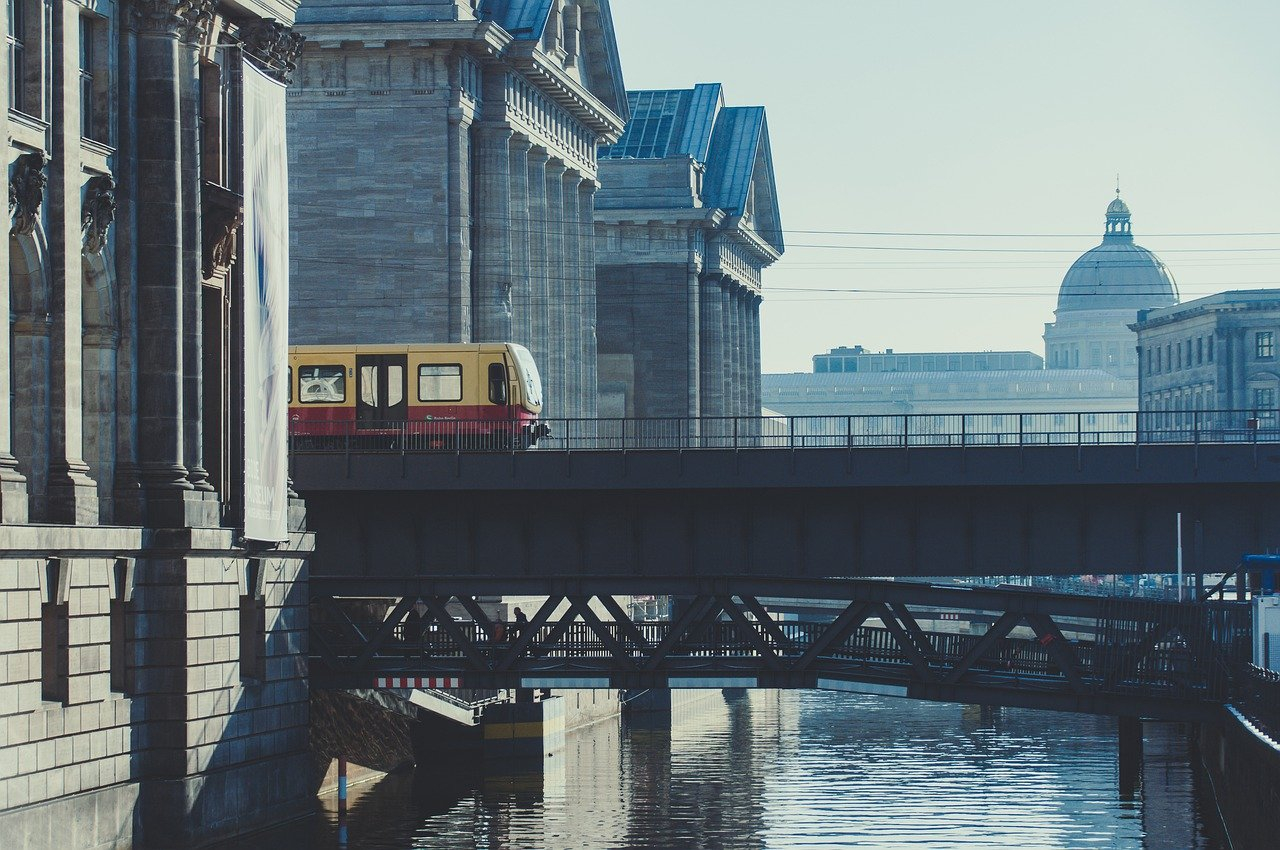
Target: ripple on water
799	769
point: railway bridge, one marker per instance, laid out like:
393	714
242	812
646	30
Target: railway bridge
829	497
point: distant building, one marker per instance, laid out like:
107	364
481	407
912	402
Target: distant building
858	359
1099	298
443	175
1090	363
686	222
942	392
1213	353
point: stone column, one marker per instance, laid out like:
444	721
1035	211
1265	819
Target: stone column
728	363
491	288
129	507
711	350
693	312
539	294
161	327
460	209
73	496
753	310
192	274
571	305
520	269
554	368
590	346
13	489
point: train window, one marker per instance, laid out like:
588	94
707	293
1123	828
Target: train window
289	385
322	384
395	385
369	385
440	382
497	383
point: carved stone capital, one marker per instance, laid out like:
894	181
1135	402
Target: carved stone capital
98	213
222	213
26	191
275	46
189	20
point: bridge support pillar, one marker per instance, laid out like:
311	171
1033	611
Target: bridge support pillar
1130	733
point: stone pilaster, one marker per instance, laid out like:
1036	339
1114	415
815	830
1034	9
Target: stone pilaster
491	288
711	349
553	366
590	348
13	489
520	270
539	286
572	305
162	61
73	497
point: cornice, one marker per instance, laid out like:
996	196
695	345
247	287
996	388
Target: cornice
567	91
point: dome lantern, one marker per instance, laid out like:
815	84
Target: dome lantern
1118	221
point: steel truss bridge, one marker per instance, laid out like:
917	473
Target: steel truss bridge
1100	655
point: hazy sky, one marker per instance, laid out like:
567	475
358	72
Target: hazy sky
983	117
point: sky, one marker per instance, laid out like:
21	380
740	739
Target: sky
1004	118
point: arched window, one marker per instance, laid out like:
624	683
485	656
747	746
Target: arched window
29	365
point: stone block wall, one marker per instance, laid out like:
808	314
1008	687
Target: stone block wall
131	719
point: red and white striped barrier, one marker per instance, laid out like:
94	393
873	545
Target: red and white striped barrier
397	682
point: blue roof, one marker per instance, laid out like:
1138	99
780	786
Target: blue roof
525	19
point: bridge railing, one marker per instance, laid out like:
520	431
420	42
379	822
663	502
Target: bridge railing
908	430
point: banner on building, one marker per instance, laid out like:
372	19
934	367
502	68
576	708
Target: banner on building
265	259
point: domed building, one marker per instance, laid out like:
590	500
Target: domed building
1100	297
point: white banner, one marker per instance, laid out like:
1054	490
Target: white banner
265	258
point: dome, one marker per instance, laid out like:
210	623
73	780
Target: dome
1117	275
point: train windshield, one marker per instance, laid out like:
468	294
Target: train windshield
529	374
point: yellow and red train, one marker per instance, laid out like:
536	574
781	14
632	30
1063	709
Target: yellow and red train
440	396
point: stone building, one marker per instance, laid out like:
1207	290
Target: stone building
443	162
1099	297
151	667
1217	353
687	220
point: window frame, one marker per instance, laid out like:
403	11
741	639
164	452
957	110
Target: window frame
342	369
1264	345
461	384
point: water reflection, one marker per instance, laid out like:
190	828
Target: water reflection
794	769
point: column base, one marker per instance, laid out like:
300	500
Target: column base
73	495
14	504
171	501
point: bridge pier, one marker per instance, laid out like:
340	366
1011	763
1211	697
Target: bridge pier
1130	755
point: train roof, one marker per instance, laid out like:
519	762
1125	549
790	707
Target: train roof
400	348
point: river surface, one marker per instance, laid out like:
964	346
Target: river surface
799	769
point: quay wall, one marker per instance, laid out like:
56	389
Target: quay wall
1243	761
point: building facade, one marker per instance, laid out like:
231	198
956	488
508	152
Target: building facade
1100	296
152	673
1217	353
858	359
687	220
443	175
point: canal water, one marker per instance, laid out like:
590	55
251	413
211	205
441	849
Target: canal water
798	769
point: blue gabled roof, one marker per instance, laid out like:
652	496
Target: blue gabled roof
524	19
668	122
732	158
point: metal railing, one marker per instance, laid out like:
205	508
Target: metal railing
908	430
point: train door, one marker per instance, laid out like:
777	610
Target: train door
380	389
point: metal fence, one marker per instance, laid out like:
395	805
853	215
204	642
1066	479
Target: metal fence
791	432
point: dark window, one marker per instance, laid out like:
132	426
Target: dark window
1179	355
1264	402
1264	344
119	646
17	55
88	126
253	625
55	653
1208	355
440	382
497	383
1199	350
322	384
289	384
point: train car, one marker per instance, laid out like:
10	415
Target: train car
482	395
